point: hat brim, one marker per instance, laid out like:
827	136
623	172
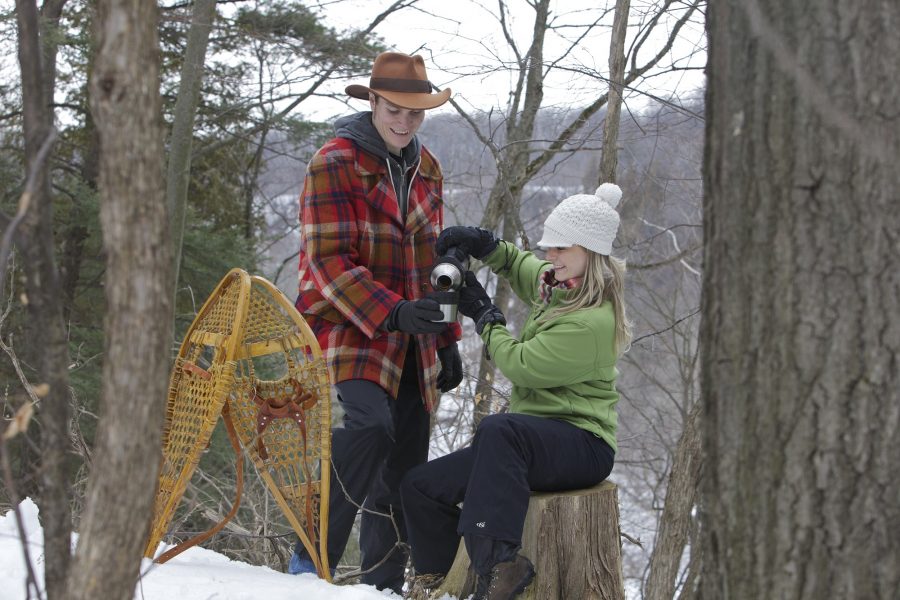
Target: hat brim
408	100
551	240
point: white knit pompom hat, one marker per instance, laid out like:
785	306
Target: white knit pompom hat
590	221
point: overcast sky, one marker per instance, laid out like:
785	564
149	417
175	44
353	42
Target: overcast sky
464	48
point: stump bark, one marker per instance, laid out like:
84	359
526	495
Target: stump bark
573	540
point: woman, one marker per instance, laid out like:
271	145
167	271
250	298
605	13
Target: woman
560	431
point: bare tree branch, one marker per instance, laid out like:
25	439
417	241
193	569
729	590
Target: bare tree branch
24	202
310	91
538	163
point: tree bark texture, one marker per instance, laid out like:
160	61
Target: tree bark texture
610	157
573	540
50	14
126	106
676	522
45	325
181	139
485	401
800	336
506	194
75	233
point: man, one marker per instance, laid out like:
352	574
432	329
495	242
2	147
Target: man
371	211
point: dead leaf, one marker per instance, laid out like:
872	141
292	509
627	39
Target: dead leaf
19	422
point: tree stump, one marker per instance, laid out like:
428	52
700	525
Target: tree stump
573	540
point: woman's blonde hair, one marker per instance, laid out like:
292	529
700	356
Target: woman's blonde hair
604	279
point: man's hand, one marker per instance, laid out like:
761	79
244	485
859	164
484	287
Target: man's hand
474	241
451	374
416	316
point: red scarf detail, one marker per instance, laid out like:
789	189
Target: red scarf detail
549	282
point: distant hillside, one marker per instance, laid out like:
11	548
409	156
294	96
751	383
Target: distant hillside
660	151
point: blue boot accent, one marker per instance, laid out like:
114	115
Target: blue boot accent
300	565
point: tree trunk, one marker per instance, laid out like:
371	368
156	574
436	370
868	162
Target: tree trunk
802	279
518	162
573	540
49	354
126	106
181	139
51	12
75	234
251	183
610	157
506	195
676	520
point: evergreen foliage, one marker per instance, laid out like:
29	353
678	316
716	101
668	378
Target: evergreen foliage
258	56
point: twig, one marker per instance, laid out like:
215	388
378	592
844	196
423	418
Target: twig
30	578
31	582
684	318
399	545
8	480
635	541
24	203
357	572
666	261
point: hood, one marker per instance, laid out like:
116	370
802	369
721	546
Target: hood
359	129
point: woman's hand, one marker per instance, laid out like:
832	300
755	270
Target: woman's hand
476	304
474	241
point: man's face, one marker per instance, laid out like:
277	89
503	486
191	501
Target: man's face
396	125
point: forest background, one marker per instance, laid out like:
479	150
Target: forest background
189	161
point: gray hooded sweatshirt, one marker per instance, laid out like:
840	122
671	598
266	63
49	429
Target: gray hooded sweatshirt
359	129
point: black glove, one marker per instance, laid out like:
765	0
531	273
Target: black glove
474	241
451	374
416	316
475	303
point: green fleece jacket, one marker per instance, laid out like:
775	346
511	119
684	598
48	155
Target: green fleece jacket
564	368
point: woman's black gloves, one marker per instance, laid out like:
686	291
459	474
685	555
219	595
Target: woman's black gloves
476	304
474	241
451	374
416	316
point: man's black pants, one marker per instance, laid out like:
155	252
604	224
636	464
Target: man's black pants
511	455
381	440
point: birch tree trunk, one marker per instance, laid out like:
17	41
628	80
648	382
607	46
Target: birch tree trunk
799	336
126	105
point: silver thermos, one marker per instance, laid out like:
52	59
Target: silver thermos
447	277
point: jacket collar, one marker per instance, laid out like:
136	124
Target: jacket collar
421	207
369	164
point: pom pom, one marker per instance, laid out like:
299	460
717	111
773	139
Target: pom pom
609	193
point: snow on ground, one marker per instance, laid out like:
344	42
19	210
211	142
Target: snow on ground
196	574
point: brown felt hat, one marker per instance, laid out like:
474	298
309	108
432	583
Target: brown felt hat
401	80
